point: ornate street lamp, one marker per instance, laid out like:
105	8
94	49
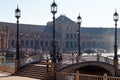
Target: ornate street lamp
17	15
79	20
115	18
53	11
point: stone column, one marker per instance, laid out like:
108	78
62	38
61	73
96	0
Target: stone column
98	57
53	69
116	67
105	77
77	75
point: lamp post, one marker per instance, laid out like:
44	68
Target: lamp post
79	20
53	11
115	18
17	15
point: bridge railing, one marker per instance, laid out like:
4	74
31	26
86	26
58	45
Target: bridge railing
99	58
83	58
29	59
65	62
7	64
106	60
78	76
86	58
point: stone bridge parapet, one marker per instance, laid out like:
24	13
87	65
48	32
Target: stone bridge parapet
75	62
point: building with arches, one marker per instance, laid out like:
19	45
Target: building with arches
39	37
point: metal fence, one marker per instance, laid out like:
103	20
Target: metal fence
78	76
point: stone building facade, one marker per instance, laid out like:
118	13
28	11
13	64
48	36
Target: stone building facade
39	37
4	33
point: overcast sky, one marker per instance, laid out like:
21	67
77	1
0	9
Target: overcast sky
94	13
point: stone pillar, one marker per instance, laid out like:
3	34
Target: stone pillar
98	57
7	36
53	69
77	75
17	65
105	77
2	43
116	67
77	59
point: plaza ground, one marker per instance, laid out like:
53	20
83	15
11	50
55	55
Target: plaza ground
7	76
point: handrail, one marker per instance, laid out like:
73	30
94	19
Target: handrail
106	59
66	62
85	58
28	60
8	65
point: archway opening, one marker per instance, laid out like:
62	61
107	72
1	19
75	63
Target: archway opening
93	70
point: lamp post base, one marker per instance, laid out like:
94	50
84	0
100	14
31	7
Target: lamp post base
17	65
53	69
116	67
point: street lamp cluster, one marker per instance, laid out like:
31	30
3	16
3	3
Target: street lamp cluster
79	20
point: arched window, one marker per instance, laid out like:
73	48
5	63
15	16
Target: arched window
46	44
13	43
22	43
32	46
42	44
67	44
37	44
71	44
27	43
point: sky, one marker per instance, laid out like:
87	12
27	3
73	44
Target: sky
94	13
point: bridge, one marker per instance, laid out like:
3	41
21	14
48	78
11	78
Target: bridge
89	65
75	67
72	63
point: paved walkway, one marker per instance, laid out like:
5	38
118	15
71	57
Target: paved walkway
7	76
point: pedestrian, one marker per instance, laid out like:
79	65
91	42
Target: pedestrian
51	53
